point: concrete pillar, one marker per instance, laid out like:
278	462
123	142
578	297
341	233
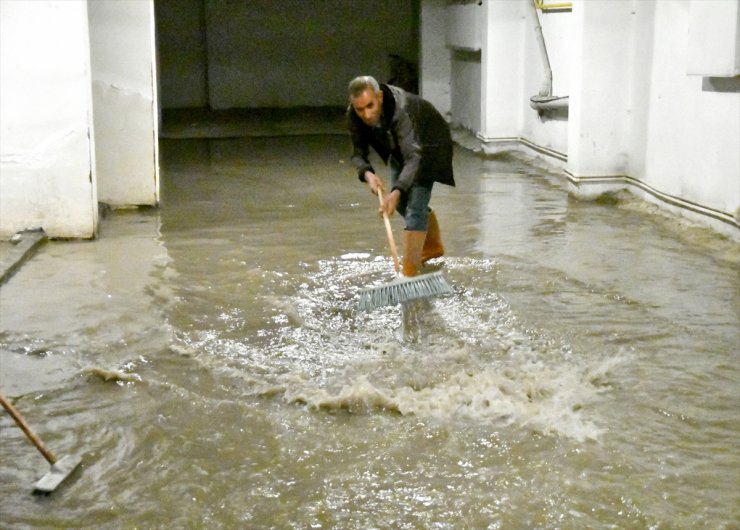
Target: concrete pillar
122	49
502	90
47	162
599	117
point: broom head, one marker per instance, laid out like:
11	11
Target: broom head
404	289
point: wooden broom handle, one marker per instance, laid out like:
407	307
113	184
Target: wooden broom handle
389	232
23	425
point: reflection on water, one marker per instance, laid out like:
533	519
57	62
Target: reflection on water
209	363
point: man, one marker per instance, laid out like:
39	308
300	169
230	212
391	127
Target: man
413	138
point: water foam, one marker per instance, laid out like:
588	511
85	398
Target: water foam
544	400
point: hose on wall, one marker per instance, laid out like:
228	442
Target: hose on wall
544	100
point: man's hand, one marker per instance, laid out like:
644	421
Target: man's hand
390	202
373	181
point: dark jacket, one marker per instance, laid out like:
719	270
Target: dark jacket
411	132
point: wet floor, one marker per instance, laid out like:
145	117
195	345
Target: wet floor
208	362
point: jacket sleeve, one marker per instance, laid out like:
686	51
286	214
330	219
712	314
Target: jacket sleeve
410	149
360	151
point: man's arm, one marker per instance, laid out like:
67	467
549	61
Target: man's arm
410	150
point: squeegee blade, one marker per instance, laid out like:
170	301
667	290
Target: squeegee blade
58	472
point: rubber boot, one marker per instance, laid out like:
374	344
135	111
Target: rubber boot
433	247
413	243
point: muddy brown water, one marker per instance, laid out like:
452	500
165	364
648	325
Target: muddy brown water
207	361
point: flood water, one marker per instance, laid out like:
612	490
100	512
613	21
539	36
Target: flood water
208	362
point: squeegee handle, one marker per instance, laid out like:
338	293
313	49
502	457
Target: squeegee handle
26	429
389	232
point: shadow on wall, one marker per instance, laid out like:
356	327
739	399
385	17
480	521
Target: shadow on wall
555	114
721	84
404	74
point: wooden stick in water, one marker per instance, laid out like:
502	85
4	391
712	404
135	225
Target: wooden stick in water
7	405
60	469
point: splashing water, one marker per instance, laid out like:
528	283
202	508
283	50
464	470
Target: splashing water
462	357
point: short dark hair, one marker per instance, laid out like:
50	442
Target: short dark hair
359	84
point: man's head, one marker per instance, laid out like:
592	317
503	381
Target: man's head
366	99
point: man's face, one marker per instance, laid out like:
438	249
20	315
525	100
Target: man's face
369	106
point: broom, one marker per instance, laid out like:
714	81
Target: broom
402	289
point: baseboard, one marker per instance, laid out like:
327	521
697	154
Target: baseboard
589	186
501	143
721	221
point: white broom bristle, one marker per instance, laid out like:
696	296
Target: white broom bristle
404	290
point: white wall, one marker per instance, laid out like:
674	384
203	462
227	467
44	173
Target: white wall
464	25
717	52
638	103
502	57
598	128
693	132
47	169
639	117
645	123
124	101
